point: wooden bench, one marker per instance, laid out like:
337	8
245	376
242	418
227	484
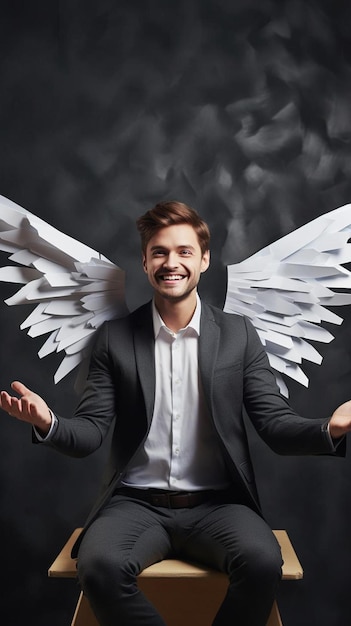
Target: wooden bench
184	594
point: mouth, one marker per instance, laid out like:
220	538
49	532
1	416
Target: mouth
171	278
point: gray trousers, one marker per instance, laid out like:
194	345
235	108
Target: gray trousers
130	535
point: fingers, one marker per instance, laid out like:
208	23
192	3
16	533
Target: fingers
17	407
13	406
28	407
20	388
5	400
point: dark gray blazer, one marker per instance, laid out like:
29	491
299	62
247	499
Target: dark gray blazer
235	374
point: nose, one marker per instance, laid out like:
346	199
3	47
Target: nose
171	261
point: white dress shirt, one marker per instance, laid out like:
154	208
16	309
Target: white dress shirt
181	451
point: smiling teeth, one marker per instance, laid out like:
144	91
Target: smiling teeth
172	277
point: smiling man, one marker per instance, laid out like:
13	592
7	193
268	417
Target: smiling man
174	258
171	379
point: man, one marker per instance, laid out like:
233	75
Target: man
173	377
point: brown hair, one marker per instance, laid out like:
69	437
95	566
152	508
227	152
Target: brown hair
168	214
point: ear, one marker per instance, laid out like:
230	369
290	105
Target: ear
144	264
205	261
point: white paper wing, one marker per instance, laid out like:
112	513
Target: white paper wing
286	290
75	289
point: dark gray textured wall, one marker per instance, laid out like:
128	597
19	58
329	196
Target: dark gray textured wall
240	108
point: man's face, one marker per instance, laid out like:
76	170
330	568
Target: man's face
174	262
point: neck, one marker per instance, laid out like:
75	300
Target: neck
176	314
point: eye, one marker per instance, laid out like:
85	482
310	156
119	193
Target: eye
157	253
186	252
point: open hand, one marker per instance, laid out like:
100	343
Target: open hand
340	422
28	407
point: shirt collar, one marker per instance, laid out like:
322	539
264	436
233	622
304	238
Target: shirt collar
194	322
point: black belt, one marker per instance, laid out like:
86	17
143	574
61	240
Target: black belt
169	499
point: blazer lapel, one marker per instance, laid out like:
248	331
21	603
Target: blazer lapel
208	349
144	345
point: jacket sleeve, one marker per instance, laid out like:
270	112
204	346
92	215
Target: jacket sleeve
84	433
277	423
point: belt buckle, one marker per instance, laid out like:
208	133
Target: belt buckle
169	500
163	499
180	500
